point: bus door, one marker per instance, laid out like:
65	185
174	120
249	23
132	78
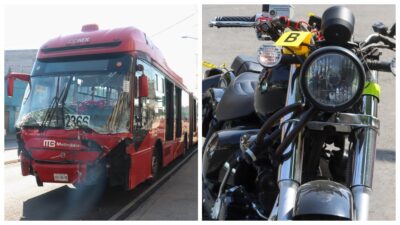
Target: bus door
143	119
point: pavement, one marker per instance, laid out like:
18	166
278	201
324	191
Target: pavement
10	149
176	199
222	45
10	141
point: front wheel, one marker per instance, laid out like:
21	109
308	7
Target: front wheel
156	163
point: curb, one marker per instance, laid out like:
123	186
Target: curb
11	161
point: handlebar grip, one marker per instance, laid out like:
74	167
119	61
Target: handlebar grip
233	21
235	18
380	66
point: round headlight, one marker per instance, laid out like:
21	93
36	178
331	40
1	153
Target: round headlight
269	55
332	78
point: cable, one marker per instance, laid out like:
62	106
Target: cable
180	21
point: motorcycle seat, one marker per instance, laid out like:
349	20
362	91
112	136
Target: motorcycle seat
238	99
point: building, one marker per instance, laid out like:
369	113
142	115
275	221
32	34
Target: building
16	61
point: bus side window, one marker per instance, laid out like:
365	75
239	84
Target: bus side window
162	83
156	80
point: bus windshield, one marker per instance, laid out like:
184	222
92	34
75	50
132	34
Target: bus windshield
91	94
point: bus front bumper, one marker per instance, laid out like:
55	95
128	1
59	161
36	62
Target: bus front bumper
59	173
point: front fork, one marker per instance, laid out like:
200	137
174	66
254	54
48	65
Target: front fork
364	157
289	176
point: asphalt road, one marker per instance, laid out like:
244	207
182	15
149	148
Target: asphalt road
172	201
222	45
24	200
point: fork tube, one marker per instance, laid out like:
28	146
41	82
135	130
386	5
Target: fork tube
364	158
289	177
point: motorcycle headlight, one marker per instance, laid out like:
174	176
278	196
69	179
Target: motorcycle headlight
332	78
269	55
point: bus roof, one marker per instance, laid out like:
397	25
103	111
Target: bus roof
92	41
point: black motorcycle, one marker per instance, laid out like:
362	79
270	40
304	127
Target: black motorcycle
301	143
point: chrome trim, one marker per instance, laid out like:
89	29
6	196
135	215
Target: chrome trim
287	199
346	122
361	196
364	156
215	210
254	206
274	212
251	154
289	176
365	150
290	169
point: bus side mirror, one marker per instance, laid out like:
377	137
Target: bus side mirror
10	81
143	86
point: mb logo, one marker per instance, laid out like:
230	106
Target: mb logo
49	143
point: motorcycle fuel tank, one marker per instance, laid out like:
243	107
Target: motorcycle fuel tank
270	93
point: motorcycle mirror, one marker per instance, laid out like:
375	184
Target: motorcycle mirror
10	81
143	86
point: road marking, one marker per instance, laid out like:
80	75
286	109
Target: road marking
129	208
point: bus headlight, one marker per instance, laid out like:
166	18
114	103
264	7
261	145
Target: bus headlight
269	55
332	78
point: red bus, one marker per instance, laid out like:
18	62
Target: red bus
102	106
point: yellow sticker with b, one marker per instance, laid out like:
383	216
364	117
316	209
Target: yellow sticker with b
294	41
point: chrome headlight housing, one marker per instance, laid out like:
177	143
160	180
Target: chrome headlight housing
332	78
269	55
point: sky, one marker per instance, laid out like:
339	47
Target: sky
30	26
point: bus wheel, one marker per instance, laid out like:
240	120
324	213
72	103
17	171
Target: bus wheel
156	162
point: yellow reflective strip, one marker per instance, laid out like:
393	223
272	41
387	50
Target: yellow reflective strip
372	88
209	65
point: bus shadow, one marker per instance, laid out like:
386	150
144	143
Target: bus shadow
67	203
63	203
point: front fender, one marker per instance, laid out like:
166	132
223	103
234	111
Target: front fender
323	199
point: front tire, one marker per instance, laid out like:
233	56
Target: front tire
156	163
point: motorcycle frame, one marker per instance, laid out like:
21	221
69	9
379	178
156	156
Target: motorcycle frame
365	126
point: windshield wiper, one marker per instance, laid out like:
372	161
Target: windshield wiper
54	104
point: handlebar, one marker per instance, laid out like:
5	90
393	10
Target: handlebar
375	38
380	66
233	21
